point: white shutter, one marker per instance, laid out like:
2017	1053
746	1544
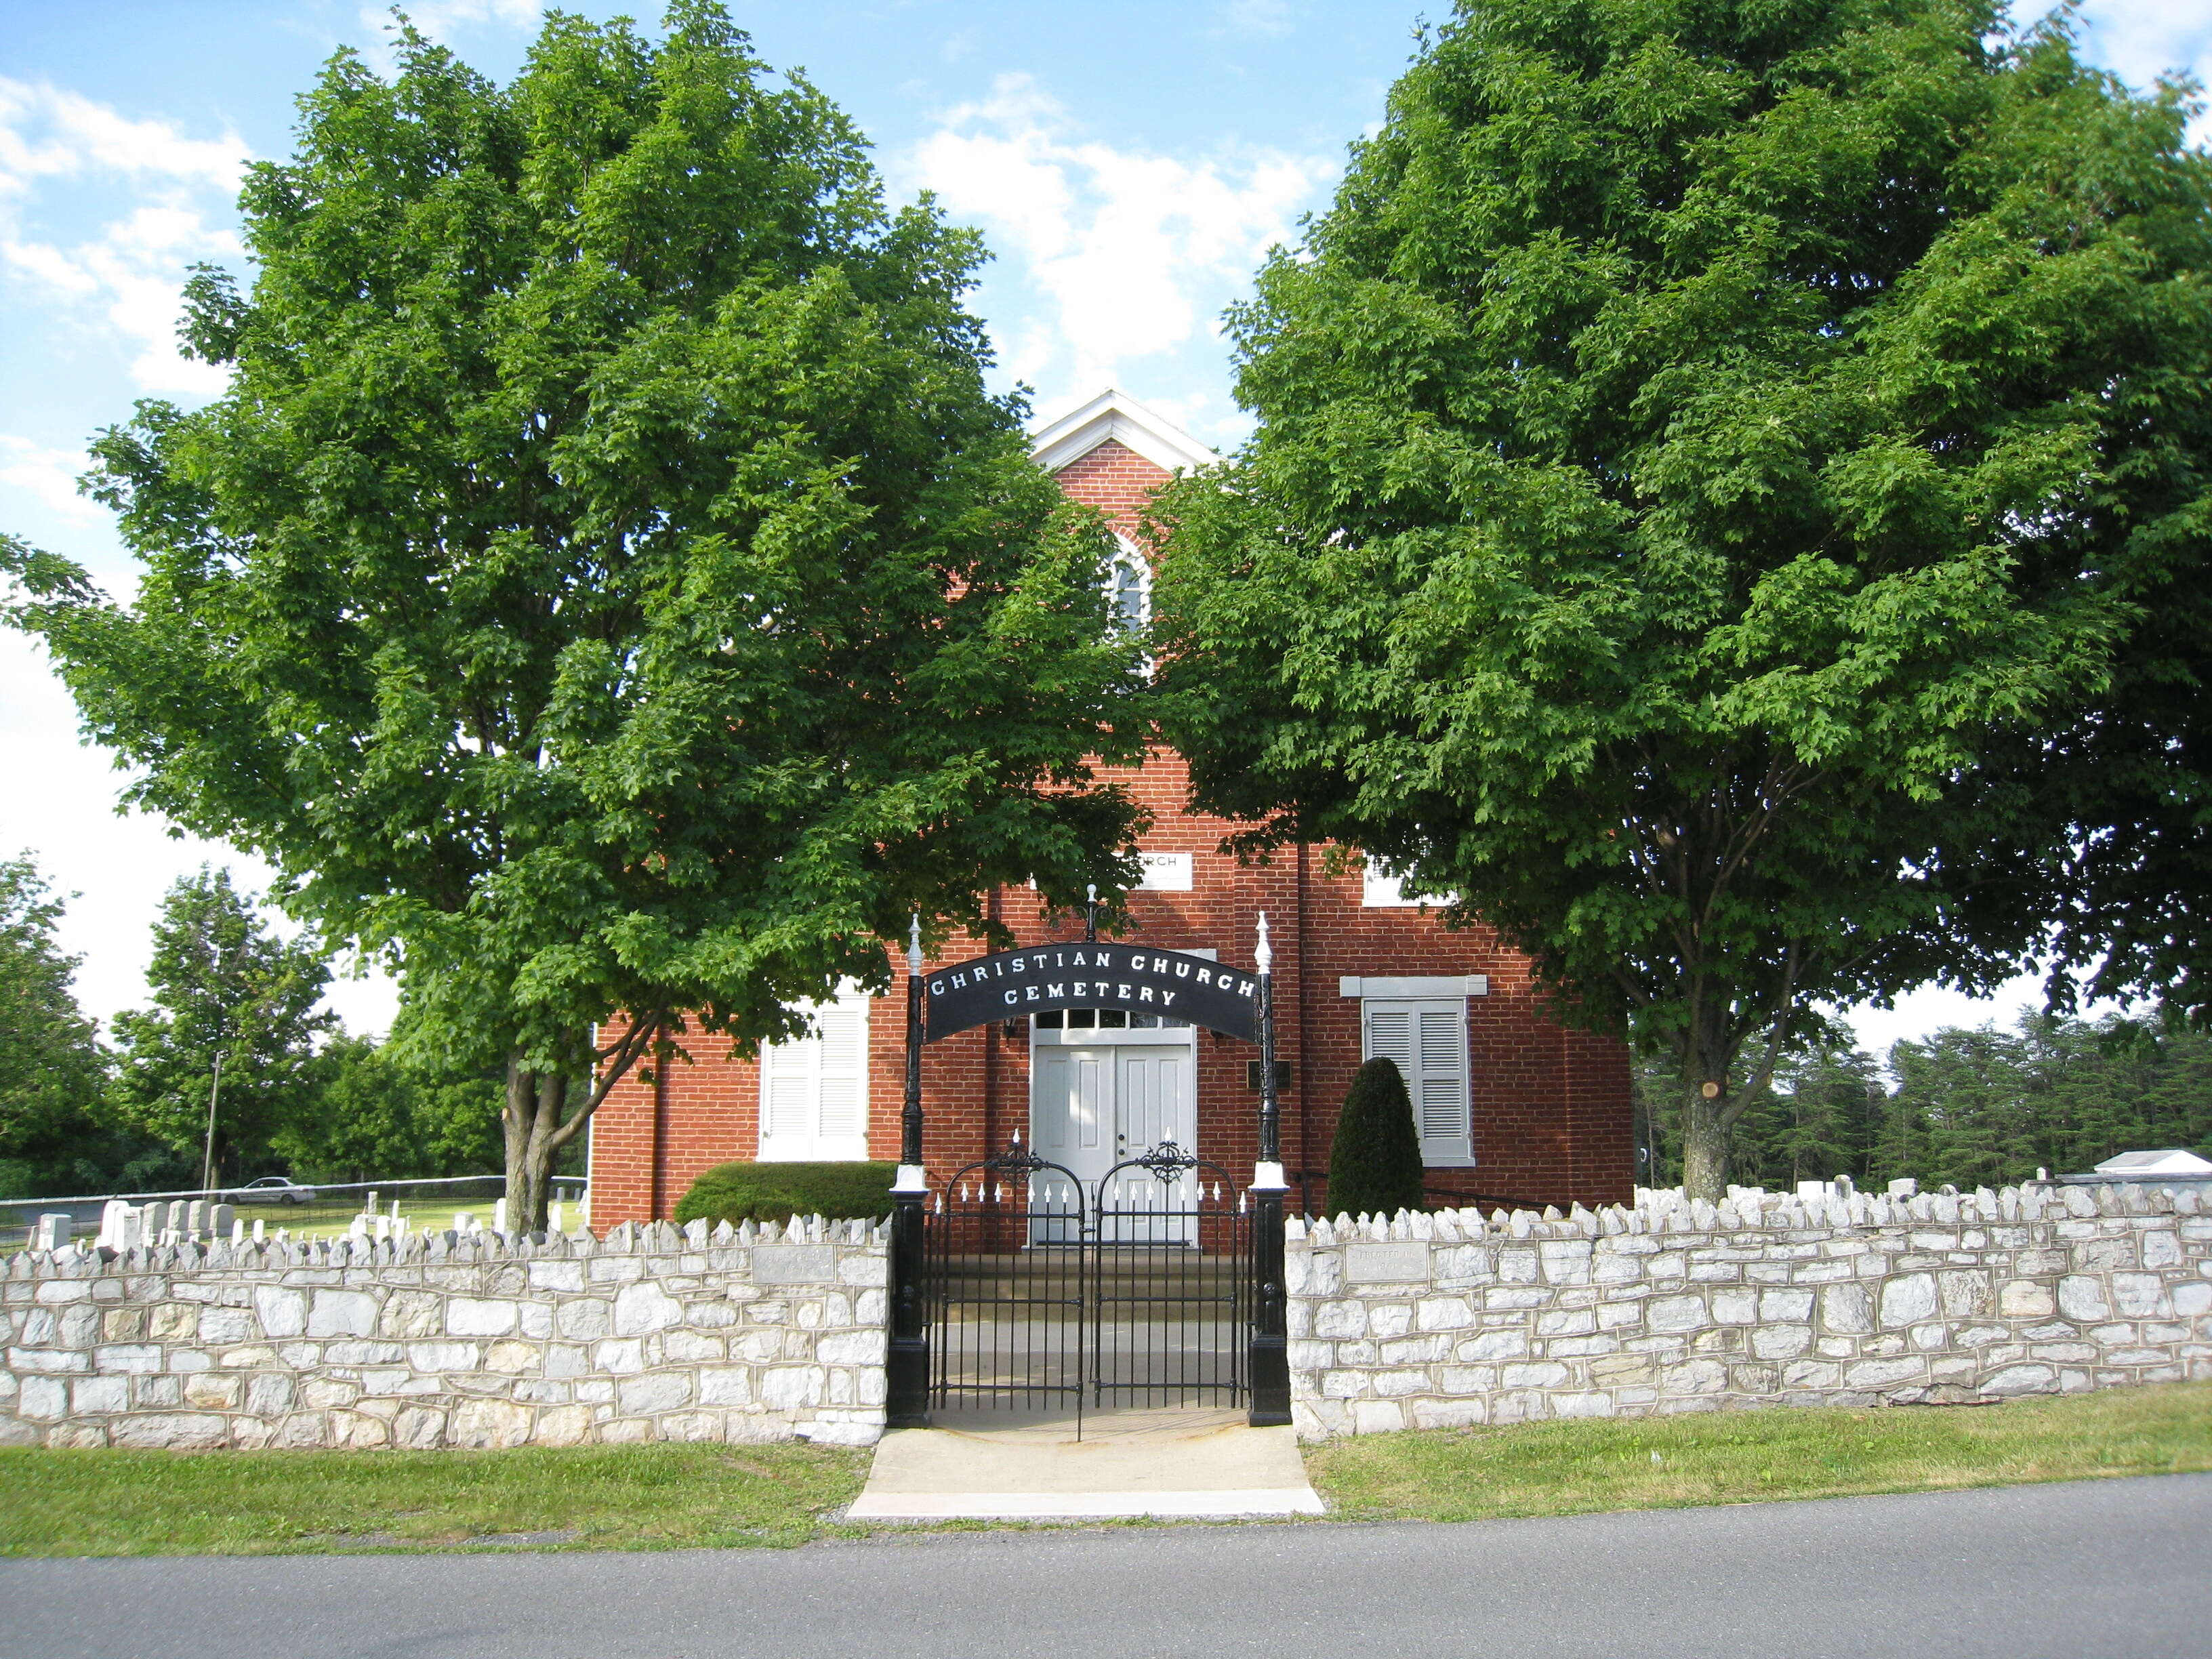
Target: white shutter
814	1089
1427	1042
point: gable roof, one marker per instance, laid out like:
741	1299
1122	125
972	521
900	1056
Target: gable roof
1115	414
2172	1162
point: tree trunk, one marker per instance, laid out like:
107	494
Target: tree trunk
536	1102
1704	1145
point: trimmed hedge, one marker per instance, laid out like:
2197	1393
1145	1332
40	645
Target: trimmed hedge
1375	1162
776	1192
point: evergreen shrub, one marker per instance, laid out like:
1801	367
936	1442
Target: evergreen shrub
1375	1162
776	1192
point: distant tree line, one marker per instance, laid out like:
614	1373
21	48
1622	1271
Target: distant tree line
297	1094
1972	1108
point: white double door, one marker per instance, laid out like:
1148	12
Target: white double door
1094	1106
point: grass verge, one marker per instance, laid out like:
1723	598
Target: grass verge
1743	1457
154	1503
151	1503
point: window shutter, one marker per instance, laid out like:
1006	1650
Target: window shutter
1441	1104
1427	1042
843	1048
814	1089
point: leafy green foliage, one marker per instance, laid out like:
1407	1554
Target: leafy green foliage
1972	1108
1375	1161
1698	438
377	1116
222	984
777	1192
606	588
51	1071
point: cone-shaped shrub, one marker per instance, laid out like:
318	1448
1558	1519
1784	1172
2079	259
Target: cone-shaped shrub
1374	1164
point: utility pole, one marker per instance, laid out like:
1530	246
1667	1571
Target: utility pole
206	1158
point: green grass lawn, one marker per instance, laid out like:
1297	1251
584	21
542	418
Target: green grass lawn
1743	1457
134	1503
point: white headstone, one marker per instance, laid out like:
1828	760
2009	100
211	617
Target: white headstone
499	1217
237	1230
52	1232
111	1223
463	1223
556	1216
1904	1187
222	1220
260	1236
196	1217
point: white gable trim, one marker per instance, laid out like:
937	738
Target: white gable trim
1115	414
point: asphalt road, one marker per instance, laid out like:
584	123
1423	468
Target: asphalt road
2118	1568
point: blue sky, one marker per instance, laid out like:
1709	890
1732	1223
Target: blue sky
1129	164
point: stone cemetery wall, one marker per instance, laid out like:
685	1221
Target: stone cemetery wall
654	1333
1837	1298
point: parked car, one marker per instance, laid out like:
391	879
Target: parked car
274	1189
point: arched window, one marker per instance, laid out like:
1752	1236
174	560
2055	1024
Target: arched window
1128	587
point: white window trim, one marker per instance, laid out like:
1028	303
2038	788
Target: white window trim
1128	557
1459	1152
815	1147
1381	889
1419	986
1123	1036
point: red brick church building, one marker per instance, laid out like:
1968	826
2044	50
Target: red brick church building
1511	1106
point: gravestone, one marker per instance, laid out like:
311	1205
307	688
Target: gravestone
52	1232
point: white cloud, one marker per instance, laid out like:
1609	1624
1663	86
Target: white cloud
1131	253
1259	16
47	131
49	476
2141	40
64	160
440	20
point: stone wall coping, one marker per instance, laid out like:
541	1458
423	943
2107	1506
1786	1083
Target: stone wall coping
1667	1211
651	1238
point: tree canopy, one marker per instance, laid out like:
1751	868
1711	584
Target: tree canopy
222	985
1969	1107
606	588
51	1071
1702	447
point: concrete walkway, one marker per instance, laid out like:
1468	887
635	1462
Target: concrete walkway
1010	1466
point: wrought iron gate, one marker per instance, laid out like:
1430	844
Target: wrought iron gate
1168	1319
1043	1294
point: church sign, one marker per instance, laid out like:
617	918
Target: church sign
1013	983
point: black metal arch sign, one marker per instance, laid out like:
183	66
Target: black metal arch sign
1091	975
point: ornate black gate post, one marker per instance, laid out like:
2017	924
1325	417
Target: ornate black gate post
1270	1352
907	1379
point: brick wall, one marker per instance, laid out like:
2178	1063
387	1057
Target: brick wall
1551	1107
